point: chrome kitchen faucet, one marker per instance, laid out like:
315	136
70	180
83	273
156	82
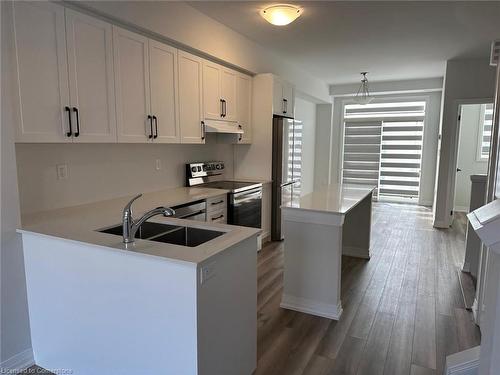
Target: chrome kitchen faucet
130	226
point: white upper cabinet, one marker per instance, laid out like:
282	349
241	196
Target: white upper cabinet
190	98
244	97
219	92
164	87
134	120
283	98
42	72
90	65
228	90
212	97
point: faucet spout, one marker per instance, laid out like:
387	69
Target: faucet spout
130	226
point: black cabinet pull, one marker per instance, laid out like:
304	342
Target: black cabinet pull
285	105
150	118
216	203
156	127
240	137
224	106
221	107
217	218
70	133
202	130
77	133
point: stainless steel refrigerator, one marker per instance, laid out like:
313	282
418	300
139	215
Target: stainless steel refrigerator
286	171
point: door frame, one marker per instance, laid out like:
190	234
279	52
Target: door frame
452	171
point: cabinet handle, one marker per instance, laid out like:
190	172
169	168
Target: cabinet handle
217	218
221	107
240	137
216	203
77	133
285	105
156	127
224	105
202	130
150	118
70	133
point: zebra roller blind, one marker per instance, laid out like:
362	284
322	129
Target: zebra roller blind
485	133
383	147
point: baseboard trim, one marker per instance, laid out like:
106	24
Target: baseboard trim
356	252
308	306
19	362
463	363
441	224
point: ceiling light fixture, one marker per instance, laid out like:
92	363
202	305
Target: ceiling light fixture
363	94
281	14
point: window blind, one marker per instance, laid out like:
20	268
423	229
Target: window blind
383	147
485	136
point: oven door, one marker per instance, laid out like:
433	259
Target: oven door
245	208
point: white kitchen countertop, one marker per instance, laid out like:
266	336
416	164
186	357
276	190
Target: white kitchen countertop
334	198
79	223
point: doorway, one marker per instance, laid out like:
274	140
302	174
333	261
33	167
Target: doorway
475	123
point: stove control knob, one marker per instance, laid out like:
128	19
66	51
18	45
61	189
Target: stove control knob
221	166
193	169
217	166
199	169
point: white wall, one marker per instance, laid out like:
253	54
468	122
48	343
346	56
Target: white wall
431	127
104	171
464	80
305	111
15	334
190	29
470	127
324	131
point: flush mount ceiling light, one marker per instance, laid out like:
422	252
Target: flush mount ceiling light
363	94
281	14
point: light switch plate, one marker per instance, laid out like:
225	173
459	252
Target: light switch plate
62	171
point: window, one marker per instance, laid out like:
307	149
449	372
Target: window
295	157
383	147
484	135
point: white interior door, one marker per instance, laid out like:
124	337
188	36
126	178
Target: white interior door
90	59
42	72
190	98
164	106
229	94
132	86
212	103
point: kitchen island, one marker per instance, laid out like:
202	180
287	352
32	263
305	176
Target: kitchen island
99	306
319	228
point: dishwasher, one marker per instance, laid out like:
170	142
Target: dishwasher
191	211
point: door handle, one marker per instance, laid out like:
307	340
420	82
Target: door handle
150	118
459	170
156	127
77	133
70	133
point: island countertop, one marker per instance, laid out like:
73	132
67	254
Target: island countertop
81	223
334	198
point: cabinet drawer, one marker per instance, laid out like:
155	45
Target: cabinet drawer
217	203
217	216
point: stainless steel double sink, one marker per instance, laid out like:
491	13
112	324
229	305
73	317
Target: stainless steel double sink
173	234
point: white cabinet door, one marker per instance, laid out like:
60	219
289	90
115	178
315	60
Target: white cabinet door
289	99
163	81
42	72
244	96
278	103
228	84
190	98
212	98
90	65
131	70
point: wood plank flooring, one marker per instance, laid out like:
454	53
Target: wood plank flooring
403	310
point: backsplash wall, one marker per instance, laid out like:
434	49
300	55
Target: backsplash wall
103	171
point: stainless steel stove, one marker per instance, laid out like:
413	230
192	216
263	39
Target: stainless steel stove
244	197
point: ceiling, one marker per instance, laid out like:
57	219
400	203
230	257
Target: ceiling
392	40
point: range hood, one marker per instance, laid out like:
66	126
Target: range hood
214	126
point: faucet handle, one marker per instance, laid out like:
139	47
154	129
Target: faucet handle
128	206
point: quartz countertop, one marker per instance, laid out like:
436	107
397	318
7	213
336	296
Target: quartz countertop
334	198
80	223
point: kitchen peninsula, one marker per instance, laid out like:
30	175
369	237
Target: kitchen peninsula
319	228
99	306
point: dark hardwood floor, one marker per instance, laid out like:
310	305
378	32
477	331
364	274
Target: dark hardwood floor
403	310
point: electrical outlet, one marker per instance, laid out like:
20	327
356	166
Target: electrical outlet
158	164
62	171
207	272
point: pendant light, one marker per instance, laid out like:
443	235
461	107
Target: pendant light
281	14
363	94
